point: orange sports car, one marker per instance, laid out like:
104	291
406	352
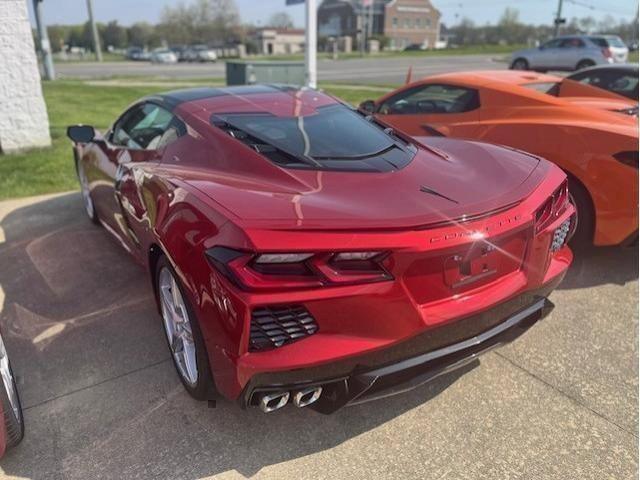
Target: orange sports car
590	133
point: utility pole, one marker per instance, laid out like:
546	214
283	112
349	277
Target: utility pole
94	31
558	20
311	40
45	45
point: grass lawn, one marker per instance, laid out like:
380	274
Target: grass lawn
69	102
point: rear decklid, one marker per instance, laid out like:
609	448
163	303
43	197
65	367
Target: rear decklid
465	179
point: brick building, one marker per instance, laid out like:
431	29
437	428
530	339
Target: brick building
404	22
23	115
279	41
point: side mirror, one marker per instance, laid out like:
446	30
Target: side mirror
81	133
368	107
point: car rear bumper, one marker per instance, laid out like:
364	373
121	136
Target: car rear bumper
411	363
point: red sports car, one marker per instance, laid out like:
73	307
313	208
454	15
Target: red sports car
303	253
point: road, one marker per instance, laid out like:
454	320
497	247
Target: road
102	399
382	70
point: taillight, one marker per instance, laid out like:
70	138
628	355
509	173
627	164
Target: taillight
607	53
552	207
277	271
629	158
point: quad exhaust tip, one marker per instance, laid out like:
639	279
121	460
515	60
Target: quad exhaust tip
307	396
271	402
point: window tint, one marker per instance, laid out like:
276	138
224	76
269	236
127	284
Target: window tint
431	99
142	127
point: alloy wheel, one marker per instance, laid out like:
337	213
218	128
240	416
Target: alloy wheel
177	327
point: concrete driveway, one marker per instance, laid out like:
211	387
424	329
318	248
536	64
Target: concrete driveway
102	400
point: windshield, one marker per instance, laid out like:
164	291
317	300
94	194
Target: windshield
333	132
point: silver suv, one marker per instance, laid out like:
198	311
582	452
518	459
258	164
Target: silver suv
571	52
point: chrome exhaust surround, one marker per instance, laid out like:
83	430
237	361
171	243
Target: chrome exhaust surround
307	396
273	401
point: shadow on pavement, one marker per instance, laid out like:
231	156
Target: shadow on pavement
593	266
100	394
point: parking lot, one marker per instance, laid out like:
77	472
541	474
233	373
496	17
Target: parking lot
102	400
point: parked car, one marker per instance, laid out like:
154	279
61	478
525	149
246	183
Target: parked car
137	54
414	47
621	79
163	56
179	51
12	426
301	252
200	53
560	120
571	52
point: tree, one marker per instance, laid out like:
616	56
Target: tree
114	35
202	21
142	34
281	20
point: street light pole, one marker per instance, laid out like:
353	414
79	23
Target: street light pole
558	19
94	31
311	34
45	45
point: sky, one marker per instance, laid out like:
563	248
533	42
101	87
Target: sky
257	12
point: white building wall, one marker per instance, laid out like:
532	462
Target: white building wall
23	115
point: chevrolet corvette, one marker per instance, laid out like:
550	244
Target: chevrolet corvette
590	133
303	253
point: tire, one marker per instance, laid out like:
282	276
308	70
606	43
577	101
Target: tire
200	386
10	400
519	64
585	64
87	200
581	200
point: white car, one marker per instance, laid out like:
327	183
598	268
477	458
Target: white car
163	56
571	52
200	53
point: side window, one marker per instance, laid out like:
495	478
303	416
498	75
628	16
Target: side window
596	79
142	127
431	99
625	84
555	43
572	43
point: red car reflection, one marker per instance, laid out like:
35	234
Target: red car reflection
303	253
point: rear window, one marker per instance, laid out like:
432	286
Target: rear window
550	88
606	42
615	42
333	135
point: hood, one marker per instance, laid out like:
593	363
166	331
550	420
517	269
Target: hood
465	179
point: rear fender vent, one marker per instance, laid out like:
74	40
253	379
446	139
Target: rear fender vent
273	327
